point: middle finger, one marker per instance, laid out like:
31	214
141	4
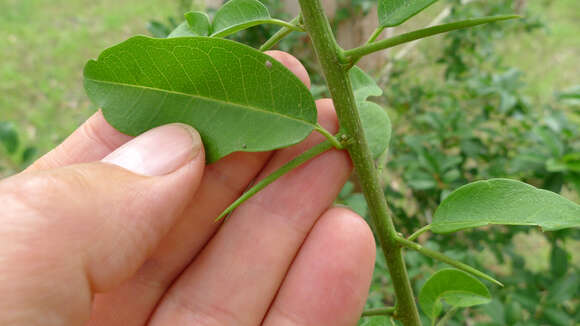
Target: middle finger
235	278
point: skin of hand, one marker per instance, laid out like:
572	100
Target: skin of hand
112	230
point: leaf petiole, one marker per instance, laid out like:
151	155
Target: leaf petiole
332	139
279	35
383	311
299	160
253	23
441	257
354	54
418	233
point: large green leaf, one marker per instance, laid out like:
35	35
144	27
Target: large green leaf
236	15
236	97
456	287
396	12
504	201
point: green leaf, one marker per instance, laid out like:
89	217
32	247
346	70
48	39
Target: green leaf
374	119
396	12
198	22
457	288
357	203
363	85
182	30
237	15
9	137
376	126
158	29
238	98
504	201
558	261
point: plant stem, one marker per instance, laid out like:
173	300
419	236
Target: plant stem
356	53
329	53
384	311
443	321
441	257
279	35
371	39
299	160
418	233
330	137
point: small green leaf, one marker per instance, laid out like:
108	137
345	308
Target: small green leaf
377	127
198	22
158	29
504	201
363	85
374	119
396	12
236	15
457	288
357	203
238	98
182	30
9	137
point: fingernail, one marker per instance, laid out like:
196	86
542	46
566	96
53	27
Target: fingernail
159	151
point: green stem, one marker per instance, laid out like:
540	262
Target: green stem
279	35
441	257
371	39
418	233
272	21
329	53
302	158
331	138
384	311
356	53
443	321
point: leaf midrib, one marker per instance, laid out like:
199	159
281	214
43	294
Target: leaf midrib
161	90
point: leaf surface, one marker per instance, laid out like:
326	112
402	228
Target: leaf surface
504	201
236	97
182	30
363	85
455	287
396	12
198	22
374	119
236	15
377	127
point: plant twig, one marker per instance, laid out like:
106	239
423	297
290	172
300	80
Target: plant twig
371	39
383	311
329	53
330	137
302	158
441	257
418	233
279	35
353	54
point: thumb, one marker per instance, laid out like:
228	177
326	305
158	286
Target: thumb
91	226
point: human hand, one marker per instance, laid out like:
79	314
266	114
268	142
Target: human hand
109	230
